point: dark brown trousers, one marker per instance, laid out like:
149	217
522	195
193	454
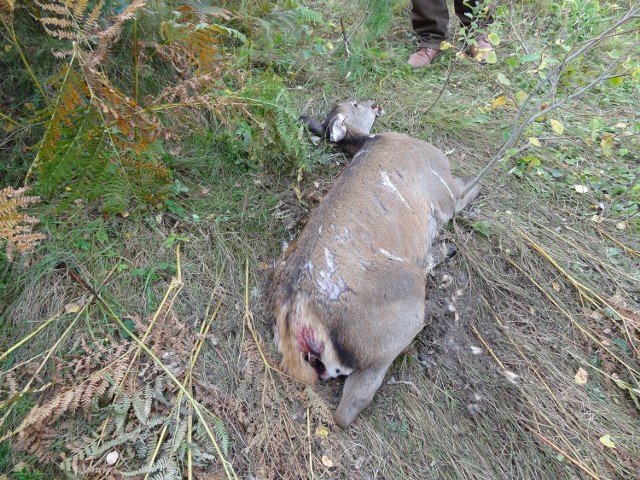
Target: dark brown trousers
430	19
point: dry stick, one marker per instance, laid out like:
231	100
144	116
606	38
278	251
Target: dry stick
515	30
195	351
248	321
31	335
581	288
522	391
176	282
542	381
586	254
563	453
587	333
58	343
629	250
344	36
553	79
228	467
312	475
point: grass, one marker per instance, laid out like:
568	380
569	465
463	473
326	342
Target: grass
545	284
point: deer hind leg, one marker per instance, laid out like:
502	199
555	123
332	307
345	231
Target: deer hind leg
359	389
460	185
399	322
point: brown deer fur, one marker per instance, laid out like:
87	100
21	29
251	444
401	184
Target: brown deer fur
349	293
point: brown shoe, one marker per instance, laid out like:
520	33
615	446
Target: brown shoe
481	51
424	56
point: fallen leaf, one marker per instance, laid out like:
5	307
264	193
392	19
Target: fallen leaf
606	441
621	225
327	462
597	219
556	126
521	95
322	431
556	286
596	315
606	145
263	266
204	190
616	81
581	376
581	188
534	141
498	102
502	80
74	307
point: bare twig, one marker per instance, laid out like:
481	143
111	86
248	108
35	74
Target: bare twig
344	36
515	30
551	82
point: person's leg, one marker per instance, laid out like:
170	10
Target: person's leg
480	49
430	19
464	12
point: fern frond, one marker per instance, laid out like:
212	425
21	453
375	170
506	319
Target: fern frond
7	6
222	434
229	32
16	228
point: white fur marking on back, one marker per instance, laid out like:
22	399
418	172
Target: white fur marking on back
445	183
386	181
328	286
390	256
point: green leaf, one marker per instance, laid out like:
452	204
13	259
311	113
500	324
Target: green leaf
531	161
534	141
491	57
606	144
130	326
531	57
616	81
521	95
615	53
502	80
482	228
556	126
494	39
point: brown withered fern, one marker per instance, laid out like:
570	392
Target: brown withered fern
72	394
16	229
6	8
123	402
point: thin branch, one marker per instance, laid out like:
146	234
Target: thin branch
552	80
344	36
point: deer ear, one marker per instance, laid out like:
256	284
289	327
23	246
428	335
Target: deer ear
338	128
